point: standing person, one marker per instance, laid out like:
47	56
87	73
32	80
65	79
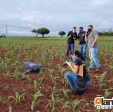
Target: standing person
92	37
72	35
82	42
73	78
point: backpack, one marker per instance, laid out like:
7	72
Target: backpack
86	74
80	85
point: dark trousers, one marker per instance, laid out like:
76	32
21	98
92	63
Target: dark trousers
69	49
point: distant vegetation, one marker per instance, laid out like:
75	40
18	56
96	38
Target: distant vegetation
106	33
62	33
41	31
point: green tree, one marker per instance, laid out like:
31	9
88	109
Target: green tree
35	31
100	33
43	31
61	33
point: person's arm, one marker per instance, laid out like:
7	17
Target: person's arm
78	37
74	68
95	40
26	72
86	38
69	35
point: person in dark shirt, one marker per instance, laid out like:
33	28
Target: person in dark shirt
72	35
82	41
72	77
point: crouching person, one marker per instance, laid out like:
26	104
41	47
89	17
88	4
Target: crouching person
77	83
32	67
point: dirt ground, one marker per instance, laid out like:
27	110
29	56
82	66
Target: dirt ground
9	86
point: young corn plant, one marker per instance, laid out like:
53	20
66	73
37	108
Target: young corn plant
65	94
17	75
0	99
52	76
100	80
40	80
7	74
62	70
35	97
6	88
35	85
54	101
10	109
28	78
18	98
54	90
72	105
107	93
111	67
89	103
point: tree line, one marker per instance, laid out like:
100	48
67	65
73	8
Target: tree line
105	33
44	31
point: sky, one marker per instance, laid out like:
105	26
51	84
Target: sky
21	16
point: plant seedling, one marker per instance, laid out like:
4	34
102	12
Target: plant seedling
10	109
72	105
65	94
107	93
35	97
100	80
54	101
18	98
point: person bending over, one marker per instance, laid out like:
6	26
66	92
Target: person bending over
74	80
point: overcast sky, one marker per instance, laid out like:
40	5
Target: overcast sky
56	15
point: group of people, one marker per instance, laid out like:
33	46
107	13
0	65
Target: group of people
75	59
85	39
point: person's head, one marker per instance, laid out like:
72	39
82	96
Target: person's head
80	29
74	29
90	28
77	53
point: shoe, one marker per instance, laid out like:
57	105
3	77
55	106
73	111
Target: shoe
98	69
70	91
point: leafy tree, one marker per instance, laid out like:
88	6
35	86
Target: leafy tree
43	31
35	31
61	33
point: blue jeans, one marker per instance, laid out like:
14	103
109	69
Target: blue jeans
69	49
93	59
71	79
82	49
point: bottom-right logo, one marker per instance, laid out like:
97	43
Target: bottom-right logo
102	103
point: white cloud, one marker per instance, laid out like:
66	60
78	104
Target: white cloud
100	2
28	18
57	15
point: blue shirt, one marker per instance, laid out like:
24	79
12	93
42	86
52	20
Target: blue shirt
31	66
